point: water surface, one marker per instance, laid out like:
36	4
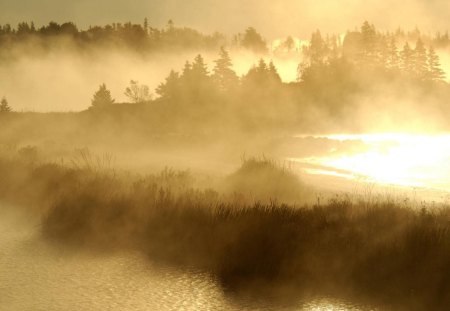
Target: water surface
36	276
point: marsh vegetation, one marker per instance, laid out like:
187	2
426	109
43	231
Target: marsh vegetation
187	191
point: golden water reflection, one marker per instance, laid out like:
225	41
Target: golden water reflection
390	158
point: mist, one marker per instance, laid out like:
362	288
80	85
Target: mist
273	156
72	78
291	17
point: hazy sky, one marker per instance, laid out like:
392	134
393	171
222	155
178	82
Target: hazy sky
272	18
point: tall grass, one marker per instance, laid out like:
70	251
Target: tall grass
381	251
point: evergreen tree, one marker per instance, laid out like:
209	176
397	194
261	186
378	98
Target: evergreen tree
223	73
392	55
199	68
368	43
317	49
289	43
420	60
146	25
273	73
253	41
102	98
4	106
170	88
187	70
434	66
257	74
407	64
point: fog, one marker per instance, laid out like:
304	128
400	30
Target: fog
275	167
65	81
298	18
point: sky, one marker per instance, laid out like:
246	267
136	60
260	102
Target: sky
272	18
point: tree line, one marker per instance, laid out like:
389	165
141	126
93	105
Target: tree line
195	82
137	37
368	49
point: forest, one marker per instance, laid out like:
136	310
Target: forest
340	83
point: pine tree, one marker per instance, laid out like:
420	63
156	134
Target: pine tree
253	41
289	43
273	73
420	60
407	60
4	106
223	73
434	66
369	43
392	55
317	49
187	70
146	25
382	54
102	98
170	88
199	68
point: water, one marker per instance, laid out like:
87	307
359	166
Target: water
404	160
36	276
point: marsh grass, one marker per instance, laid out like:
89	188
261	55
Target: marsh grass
266	181
385	252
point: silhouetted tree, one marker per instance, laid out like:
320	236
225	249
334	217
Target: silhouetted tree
289	43
138	93
146	25
368	42
253	41
392	55
420	60
170	88
187	70
199	68
102	98
262	75
407	59
223	73
434	66
273	73
317	49
4	106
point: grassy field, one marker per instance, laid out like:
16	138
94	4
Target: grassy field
382	251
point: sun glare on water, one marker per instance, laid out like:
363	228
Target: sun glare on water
398	159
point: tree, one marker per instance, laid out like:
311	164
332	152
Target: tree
146	25
199	68
223	73
317	49
102	98
420	60
407	59
138	93
4	106
273	73
368	39
392	55
253	41
262	75
289	43
170	88
434	66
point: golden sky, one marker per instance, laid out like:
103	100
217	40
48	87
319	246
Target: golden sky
272	18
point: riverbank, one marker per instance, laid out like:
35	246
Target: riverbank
381	251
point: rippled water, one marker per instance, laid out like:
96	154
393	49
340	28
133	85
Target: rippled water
35	276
